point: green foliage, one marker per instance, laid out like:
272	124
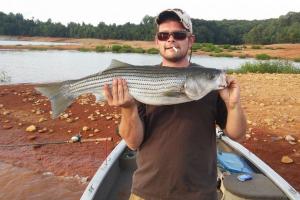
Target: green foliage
255	47
263	56
84	49
116	48
243	56
221	55
278	66
101	48
152	51
285	29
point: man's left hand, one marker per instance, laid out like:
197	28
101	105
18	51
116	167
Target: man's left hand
231	94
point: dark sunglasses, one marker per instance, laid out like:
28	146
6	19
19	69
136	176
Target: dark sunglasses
177	35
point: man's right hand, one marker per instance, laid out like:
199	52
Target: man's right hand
119	94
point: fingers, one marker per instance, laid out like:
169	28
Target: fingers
107	94
118	95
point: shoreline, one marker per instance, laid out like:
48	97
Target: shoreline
276	51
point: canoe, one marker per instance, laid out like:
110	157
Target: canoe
241	175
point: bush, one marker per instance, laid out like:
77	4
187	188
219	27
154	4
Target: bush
84	49
153	51
297	59
138	50
263	57
101	48
255	47
4	78
116	48
221	55
278	66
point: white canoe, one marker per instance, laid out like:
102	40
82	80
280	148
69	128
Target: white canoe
113	179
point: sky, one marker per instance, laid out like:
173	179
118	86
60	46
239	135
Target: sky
123	11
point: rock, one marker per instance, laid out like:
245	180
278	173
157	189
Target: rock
7	126
64	116
1	105
286	160
262	104
48	174
6	112
116	122
20	124
289	138
51	130
108	117
248	136
69	131
43	130
76	118
96	130
84	180
91	135
31	128
85	128
69	120
38	112
117	116
32	137
42	119
293	143
249	122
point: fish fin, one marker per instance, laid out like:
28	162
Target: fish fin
194	89
116	64
57	96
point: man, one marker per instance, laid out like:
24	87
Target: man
176	144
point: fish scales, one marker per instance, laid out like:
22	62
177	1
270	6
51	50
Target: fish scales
155	85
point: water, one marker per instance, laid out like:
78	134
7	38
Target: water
33	43
46	66
19	183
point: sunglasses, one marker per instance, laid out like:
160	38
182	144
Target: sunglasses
177	35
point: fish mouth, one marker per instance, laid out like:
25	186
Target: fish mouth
222	86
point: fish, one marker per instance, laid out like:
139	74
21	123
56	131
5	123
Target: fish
153	85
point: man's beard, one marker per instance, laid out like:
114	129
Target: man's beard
178	56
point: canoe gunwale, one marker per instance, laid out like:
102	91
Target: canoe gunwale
102	171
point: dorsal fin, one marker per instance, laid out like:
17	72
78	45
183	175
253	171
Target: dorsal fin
116	63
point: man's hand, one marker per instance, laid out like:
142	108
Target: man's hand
231	94
119	95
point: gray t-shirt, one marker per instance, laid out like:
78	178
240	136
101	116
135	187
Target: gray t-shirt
177	159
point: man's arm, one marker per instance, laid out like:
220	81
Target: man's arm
236	121
131	127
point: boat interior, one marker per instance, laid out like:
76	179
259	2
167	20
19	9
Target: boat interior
237	178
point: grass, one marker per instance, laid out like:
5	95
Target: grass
4	78
263	57
297	59
278	66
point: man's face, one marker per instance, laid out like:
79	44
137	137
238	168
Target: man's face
166	47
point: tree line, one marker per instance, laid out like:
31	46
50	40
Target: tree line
285	29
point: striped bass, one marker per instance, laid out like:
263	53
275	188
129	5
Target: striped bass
154	85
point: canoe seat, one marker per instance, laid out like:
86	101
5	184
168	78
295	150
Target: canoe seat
259	188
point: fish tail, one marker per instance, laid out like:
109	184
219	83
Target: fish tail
59	98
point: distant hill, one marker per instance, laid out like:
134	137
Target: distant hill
285	29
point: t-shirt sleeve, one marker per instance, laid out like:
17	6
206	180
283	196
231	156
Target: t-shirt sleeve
221	118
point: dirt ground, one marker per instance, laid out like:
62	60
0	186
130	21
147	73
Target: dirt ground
285	51
271	103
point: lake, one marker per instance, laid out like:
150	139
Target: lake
25	66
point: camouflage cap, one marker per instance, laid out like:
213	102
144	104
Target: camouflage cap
182	16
